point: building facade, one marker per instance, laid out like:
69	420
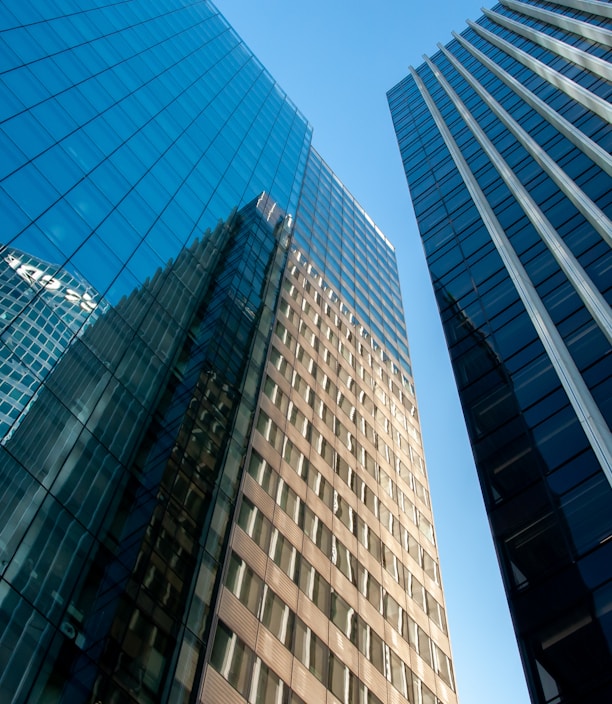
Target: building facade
212	484
58	307
505	138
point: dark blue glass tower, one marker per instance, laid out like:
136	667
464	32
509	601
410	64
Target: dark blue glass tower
505	135
212	484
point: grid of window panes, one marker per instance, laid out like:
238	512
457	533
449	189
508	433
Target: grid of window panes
523	95
353	255
129	129
130	135
46	309
136	139
133	477
334	551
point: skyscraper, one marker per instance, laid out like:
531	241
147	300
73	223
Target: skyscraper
61	306
505	138
212	484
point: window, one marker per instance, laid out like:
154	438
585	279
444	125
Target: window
310	651
344	617
243	583
232	659
315	587
342	682
277	617
254	523
284	554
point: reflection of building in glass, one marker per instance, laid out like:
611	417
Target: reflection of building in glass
41	309
505	136
217	492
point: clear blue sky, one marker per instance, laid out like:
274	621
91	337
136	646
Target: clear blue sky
336	60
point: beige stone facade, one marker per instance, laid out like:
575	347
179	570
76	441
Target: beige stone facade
332	589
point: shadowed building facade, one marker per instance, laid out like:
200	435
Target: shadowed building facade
505	138
212	485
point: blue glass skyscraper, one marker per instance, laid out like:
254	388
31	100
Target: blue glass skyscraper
212	484
505	135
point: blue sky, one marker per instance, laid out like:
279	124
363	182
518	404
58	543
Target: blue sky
336	60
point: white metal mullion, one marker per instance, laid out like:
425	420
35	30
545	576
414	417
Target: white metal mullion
587	411
594	64
563	83
599	221
600	156
584	287
595	8
562	21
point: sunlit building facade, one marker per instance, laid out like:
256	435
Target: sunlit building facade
212	484
505	136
